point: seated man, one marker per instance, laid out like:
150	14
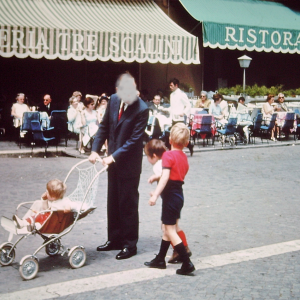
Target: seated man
154	107
45	108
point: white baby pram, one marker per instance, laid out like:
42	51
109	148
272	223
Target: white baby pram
57	223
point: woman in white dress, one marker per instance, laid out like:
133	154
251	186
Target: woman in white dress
18	110
267	111
74	117
101	107
89	122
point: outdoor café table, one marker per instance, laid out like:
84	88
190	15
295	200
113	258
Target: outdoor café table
196	122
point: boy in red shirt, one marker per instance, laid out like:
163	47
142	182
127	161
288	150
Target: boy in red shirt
175	167
154	150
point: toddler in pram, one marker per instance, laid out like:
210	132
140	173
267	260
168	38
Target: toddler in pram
52	199
52	217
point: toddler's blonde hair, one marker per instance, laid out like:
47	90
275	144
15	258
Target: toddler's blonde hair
180	135
56	188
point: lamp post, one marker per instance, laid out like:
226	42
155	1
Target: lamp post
244	63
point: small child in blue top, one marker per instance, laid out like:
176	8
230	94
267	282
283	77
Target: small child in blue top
175	167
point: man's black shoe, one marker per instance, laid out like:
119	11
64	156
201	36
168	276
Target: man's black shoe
157	263
108	246
186	269
126	253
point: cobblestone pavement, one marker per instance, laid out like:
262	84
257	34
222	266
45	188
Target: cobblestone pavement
234	200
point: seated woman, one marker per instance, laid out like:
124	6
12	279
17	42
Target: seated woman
267	111
203	102
18	110
216	110
281	105
241	107
101	107
74	117
89	122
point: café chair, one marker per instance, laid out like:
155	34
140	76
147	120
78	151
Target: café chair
228	132
255	130
59	122
287	125
38	136
203	130
265	130
153	130
25	128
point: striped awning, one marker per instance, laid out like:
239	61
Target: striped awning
252	25
128	30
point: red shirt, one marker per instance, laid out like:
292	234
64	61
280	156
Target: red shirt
177	162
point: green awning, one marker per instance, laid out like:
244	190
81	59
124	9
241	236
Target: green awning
129	30
247	25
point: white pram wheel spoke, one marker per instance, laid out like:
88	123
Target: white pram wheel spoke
7	255
29	268
77	258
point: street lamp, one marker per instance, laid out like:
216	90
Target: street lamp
244	63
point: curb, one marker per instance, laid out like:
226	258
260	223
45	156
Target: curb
71	152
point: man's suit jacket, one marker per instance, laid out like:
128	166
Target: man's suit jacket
153	108
43	107
125	138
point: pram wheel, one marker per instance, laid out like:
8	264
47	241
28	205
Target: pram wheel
6	259
29	267
53	248
77	257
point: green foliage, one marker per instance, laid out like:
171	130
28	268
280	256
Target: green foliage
185	86
256	90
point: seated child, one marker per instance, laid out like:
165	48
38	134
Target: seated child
52	199
175	167
154	150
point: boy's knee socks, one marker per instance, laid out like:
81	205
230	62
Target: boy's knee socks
164	247
180	248
182	236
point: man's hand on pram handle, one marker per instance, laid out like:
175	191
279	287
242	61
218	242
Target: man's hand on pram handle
94	156
107	160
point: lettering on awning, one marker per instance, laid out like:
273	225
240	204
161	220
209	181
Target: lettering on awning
251	38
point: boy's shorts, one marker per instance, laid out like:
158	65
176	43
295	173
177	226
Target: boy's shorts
172	202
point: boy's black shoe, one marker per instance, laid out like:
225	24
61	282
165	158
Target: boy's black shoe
157	263
186	269
176	259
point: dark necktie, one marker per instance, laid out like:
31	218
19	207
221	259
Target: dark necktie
121	111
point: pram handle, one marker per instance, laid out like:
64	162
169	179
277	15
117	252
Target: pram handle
22	204
82	162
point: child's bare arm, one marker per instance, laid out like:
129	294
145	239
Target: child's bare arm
45	201
160	187
153	178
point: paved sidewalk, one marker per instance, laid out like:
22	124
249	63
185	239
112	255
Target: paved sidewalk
11	149
236	203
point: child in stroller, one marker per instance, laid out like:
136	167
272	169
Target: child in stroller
52	199
54	222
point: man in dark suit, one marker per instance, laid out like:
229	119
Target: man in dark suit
123	125
47	105
156	103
